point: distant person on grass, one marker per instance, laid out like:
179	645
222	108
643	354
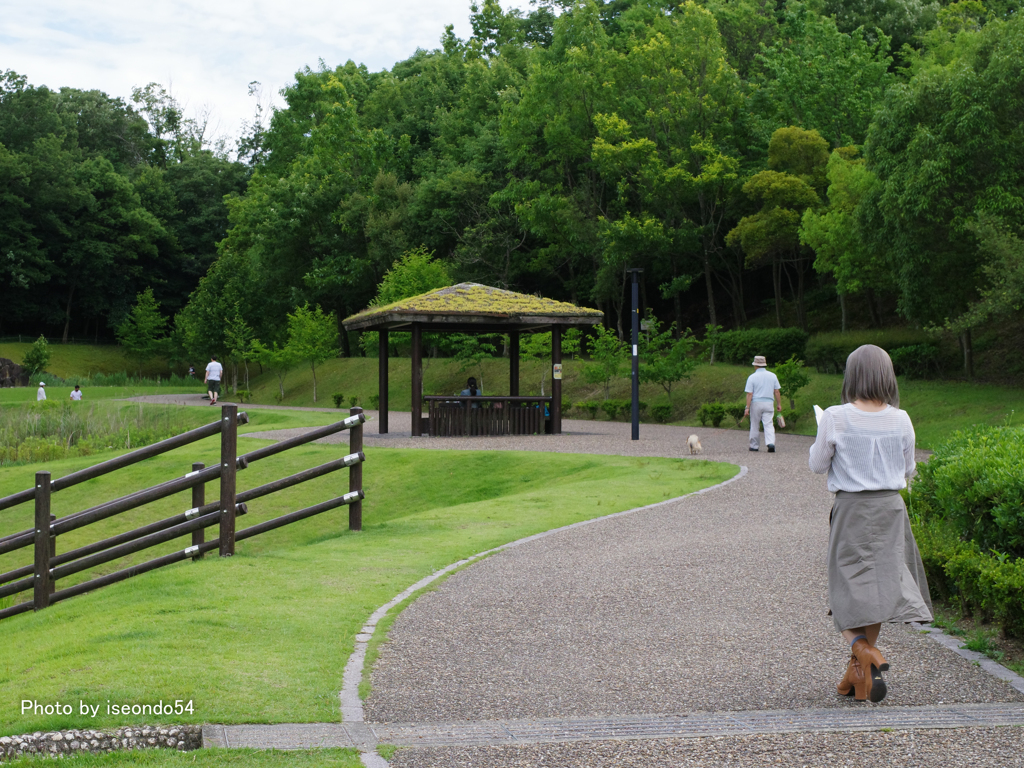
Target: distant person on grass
41	392
875	573
763	394
214	370
76	394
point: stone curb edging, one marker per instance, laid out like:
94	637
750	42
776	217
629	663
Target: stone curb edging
994	668
352	705
691	725
183	738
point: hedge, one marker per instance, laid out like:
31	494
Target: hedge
974	482
967	504
776	344
989	587
828	351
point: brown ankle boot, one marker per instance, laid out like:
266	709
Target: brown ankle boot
853	679
873	665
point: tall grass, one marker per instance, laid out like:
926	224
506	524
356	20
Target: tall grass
54	429
119	379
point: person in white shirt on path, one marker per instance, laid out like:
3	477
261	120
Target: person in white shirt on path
214	370
41	392
763	393
875	573
76	394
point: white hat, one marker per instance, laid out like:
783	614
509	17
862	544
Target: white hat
42	383
759	362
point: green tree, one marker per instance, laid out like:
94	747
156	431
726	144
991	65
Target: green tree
664	358
842	249
312	336
142	332
242	346
276	358
607	358
772	234
792	378
945	148
822	79
37	357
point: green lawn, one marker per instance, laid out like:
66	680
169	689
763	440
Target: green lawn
17	395
263	636
212	758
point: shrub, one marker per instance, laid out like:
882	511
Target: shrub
973	482
776	344
988	586
37	357
918	361
339	399
713	412
661	413
827	352
353	401
374	402
615	407
566	406
589	407
244	395
737	410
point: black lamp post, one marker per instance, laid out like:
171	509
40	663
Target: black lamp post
635	272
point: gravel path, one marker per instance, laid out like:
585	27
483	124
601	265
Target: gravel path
715	602
960	748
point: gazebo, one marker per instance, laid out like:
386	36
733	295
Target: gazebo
472	308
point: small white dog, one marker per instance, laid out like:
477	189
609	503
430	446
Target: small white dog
694	445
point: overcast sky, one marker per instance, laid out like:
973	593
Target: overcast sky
208	52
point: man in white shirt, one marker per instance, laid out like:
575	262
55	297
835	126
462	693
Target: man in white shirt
212	380
41	392
76	394
763	394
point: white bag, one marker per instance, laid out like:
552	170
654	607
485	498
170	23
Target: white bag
781	421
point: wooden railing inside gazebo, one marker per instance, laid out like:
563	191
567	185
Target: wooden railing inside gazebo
459	416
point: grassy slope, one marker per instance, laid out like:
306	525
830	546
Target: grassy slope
263	637
83	359
937	407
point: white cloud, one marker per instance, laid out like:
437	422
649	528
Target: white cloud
209	52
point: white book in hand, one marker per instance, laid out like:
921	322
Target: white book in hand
818	413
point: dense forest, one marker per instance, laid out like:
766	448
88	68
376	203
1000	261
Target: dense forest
757	158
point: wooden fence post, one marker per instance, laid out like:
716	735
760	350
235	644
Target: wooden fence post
198	500
228	457
355	474
41	591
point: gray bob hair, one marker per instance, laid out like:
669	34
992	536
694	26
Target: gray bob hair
870	376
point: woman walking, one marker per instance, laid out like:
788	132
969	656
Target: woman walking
875	573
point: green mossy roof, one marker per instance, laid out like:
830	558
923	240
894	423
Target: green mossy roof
472	299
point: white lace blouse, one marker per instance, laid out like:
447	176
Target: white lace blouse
863	451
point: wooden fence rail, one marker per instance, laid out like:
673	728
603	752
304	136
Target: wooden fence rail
47	566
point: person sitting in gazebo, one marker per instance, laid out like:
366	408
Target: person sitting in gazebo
472	391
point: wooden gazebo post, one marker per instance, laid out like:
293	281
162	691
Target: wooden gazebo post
417	381
513	363
382	381
556	384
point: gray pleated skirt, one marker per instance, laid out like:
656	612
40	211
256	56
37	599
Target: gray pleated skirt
875	573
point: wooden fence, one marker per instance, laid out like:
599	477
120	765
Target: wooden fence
41	576
486	416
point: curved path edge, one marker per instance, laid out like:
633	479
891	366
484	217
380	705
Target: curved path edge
352	705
